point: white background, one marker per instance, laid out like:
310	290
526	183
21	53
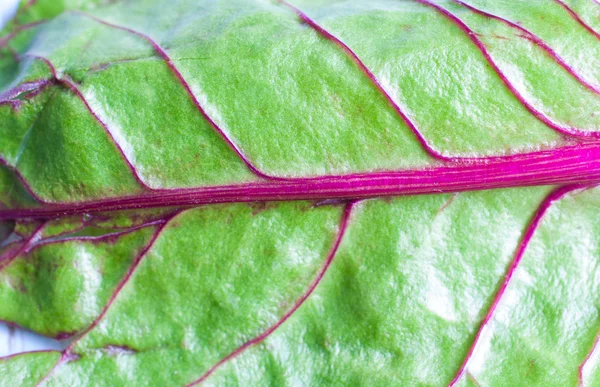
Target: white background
7	9
16	340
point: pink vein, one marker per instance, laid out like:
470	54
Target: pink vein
25	8
324	178
100	238
9	357
5	39
28	90
476	173
32	88
555	195
574	164
67	353
578	18
587	359
93	222
22	179
37	84
160	51
570	131
328	35
35	235
538	42
71	86
297	305
97	238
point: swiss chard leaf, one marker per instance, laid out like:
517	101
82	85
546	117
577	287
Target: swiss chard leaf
259	192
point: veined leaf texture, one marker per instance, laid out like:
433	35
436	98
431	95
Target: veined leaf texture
303	192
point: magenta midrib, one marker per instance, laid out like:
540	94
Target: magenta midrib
575	164
277	191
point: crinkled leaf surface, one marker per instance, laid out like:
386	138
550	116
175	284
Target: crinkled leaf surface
256	192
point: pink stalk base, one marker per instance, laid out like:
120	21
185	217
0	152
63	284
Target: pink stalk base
568	165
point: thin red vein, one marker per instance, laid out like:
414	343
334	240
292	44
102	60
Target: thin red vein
9	357
576	164
28	90
555	195
587	358
22	179
25	8
40	243
25	87
5	39
297	305
567	130
32	88
329	36
578	18
84	238
67	353
35	235
11	244
538	42
73	87
127	277
89	221
160	51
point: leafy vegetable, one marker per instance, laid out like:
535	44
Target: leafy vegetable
259	192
